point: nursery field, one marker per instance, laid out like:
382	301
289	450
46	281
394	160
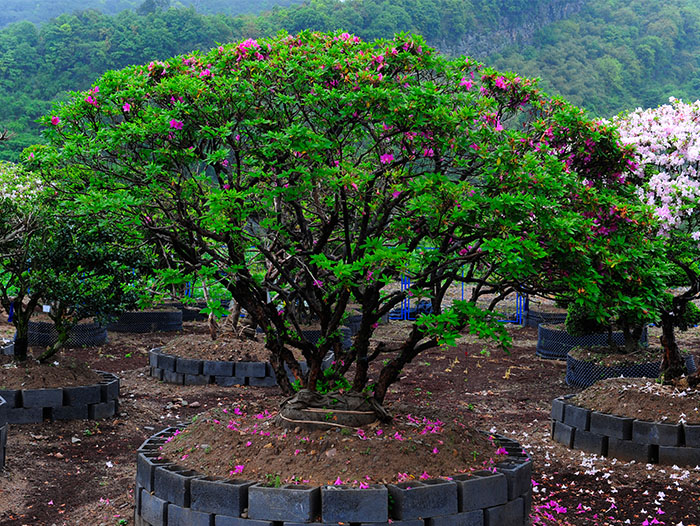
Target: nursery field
82	472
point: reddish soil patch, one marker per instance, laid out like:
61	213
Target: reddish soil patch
82	472
621	396
246	443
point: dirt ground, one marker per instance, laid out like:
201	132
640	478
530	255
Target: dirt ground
82	472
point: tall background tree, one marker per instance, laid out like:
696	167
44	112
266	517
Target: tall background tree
667	142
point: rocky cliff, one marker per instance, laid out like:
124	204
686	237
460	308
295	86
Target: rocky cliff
511	31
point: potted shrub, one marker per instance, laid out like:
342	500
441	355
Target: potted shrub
313	182
51	255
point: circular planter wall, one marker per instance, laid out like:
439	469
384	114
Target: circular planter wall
583	374
94	402
3	432
187	371
43	334
169	494
624	438
148	321
533	318
554	343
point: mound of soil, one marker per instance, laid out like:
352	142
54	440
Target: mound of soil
227	347
642	399
33	375
244	442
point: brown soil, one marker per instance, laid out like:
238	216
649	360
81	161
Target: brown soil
32	375
226	347
82	472
245	442
621	397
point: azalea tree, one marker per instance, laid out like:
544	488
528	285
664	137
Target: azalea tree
78	265
667	143
309	173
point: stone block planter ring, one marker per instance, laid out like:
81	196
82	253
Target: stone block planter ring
624	438
169	495
185	371
94	402
3	432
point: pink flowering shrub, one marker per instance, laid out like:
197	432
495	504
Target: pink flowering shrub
309	172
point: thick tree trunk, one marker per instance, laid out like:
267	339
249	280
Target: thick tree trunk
21	346
21	323
672	363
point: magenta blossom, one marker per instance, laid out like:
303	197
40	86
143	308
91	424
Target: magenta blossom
55	120
175	124
386	158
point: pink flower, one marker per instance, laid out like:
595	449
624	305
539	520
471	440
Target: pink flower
435	451
338	482
175	124
466	83
424	476
238	469
501	83
501	451
126	107
55	120
318	283
386	158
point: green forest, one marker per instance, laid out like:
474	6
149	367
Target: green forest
604	55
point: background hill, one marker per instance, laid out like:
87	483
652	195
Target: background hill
604	55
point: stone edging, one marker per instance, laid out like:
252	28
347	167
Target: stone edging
94	402
187	371
624	438
148	321
554	343
170	495
3	432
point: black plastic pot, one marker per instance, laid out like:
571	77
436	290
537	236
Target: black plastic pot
43	334
554	343
148	321
533	318
583	374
